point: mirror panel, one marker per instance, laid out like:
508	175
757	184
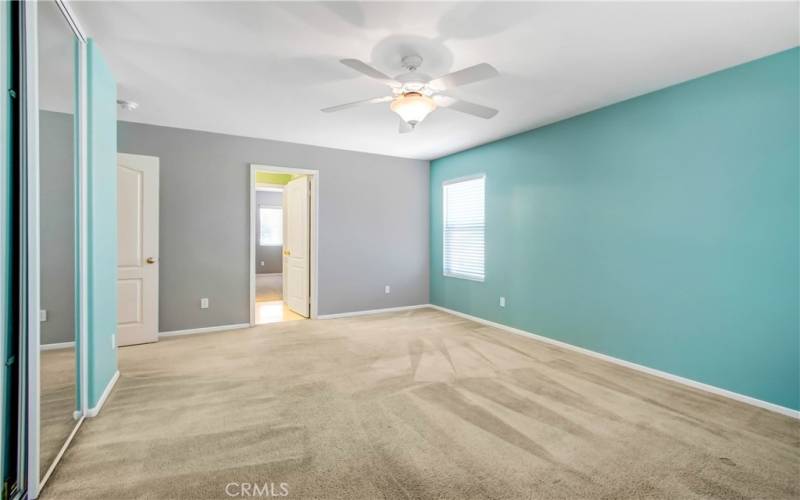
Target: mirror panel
58	232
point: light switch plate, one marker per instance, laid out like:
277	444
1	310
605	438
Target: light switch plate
387	289
43	315
502	301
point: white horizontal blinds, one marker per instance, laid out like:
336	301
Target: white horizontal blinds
464	228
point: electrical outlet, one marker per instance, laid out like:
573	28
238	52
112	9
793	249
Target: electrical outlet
204	303
502	301
43	315
387	289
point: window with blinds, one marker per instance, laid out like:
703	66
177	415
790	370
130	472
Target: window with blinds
464	227
270	226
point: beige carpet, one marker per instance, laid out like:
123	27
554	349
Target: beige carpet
418	404
57	404
269	287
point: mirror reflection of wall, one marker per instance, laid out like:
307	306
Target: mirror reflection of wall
58	230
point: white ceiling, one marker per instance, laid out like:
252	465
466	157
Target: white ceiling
266	69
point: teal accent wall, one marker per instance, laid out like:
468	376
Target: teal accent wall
102	194
662	230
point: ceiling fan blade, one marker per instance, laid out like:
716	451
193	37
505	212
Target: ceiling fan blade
464	76
467	107
374	100
368	70
404	127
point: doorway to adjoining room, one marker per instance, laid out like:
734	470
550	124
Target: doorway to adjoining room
281	267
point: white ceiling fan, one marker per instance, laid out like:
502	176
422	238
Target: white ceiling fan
415	95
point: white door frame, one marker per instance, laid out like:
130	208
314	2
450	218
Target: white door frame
29	234
314	232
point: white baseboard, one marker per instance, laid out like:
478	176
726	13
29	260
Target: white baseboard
651	371
94	411
59	345
371	311
269	274
208	329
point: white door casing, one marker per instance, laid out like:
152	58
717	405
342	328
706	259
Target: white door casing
313	193
296	245
284	253
137	235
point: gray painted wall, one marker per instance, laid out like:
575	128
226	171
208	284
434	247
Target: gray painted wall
373	223
57	227
272	257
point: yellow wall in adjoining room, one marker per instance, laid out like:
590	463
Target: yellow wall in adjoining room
273	178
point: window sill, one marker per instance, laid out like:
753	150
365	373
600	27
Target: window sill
464	277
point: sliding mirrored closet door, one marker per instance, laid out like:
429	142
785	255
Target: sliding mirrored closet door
59	411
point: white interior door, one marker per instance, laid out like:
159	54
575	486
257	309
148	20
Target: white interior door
296	246
137	235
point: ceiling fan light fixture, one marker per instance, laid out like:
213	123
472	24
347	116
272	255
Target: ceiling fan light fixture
414	95
413	107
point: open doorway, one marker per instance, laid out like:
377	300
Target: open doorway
283	244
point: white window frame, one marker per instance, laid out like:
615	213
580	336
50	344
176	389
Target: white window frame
444	227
